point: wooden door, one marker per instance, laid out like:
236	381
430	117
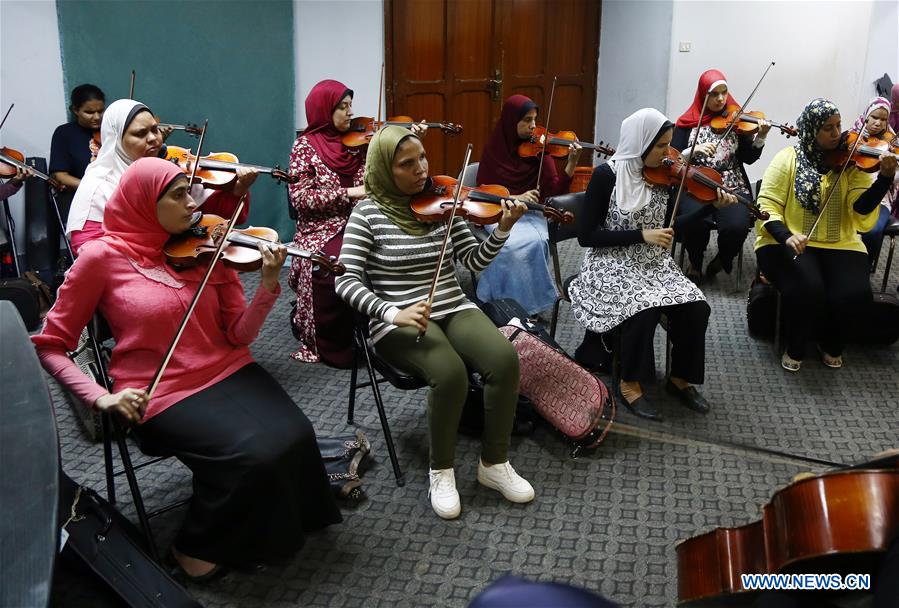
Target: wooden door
457	60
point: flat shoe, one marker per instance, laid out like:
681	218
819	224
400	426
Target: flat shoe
640	407
179	573
789	363
689	397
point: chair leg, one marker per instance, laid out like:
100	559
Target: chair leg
108	464
382	414
553	321
128	468
354	375
739	284
886	269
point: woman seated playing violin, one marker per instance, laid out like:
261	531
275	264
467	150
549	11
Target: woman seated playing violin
628	278
727	157
875	123
259	482
822	276
330	183
129	131
521	270
390	259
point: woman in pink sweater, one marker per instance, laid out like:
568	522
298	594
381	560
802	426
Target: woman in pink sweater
259	482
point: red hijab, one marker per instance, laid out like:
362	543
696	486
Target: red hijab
130	223
321	133
500	162
708	81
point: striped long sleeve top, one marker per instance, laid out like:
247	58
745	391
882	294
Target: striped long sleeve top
388	270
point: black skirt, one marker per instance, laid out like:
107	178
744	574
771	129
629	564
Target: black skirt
258	479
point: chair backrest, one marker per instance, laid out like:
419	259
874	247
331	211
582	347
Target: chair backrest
470	177
572	202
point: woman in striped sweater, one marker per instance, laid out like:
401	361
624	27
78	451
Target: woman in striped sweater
390	259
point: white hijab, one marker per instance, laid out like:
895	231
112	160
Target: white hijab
102	176
638	131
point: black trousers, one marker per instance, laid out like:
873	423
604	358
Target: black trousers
687	324
733	224
822	290
258	479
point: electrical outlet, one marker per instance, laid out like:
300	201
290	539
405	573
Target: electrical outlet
684	47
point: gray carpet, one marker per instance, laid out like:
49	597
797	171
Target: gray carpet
608	521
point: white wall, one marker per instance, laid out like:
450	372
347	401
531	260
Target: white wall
819	47
340	40
30	77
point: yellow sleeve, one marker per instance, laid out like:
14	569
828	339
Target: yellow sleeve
777	184
857	183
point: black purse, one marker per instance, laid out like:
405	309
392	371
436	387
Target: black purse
343	458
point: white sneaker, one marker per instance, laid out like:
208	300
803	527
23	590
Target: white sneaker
502	477
444	497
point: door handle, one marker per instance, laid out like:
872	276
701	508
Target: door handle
496	84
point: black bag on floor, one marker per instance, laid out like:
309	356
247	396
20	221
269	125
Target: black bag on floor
31	297
761	310
343	458
114	549
878	323
503	311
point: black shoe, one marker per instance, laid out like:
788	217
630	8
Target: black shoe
640	407
181	575
690	397
694	275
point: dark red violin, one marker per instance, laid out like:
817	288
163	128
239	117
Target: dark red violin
702	183
480	205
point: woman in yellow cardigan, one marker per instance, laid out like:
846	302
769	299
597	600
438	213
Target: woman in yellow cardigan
822	274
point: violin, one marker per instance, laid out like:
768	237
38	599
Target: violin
832	522
363	128
242	254
480	205
746	124
867	154
12	160
702	183
558	145
218	170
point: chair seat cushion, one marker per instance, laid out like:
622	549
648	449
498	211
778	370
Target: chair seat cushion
892	227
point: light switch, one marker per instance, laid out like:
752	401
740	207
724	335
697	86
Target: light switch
684	47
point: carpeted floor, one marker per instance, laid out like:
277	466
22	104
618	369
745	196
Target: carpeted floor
608	520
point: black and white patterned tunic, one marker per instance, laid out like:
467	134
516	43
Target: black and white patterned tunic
617	282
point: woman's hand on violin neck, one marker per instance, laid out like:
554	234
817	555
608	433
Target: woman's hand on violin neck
245	179
21	175
531	196
797	243
512	212
419	129
764	127
707	149
659	236
574	155
888	165
724	199
130	403
414	316
165	131
356	192
273	257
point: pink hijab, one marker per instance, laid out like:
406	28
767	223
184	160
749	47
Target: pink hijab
131	226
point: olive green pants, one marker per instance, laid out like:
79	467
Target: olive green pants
466	338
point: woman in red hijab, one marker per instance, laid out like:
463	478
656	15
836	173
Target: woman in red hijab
521	270
727	157
259	482
330	184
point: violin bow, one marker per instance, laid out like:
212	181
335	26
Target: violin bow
380	93
5	116
446	236
745	104
131	90
836	183
157	377
683	178
549	112
193	172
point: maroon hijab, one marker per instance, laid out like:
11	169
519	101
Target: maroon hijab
321	133
500	162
